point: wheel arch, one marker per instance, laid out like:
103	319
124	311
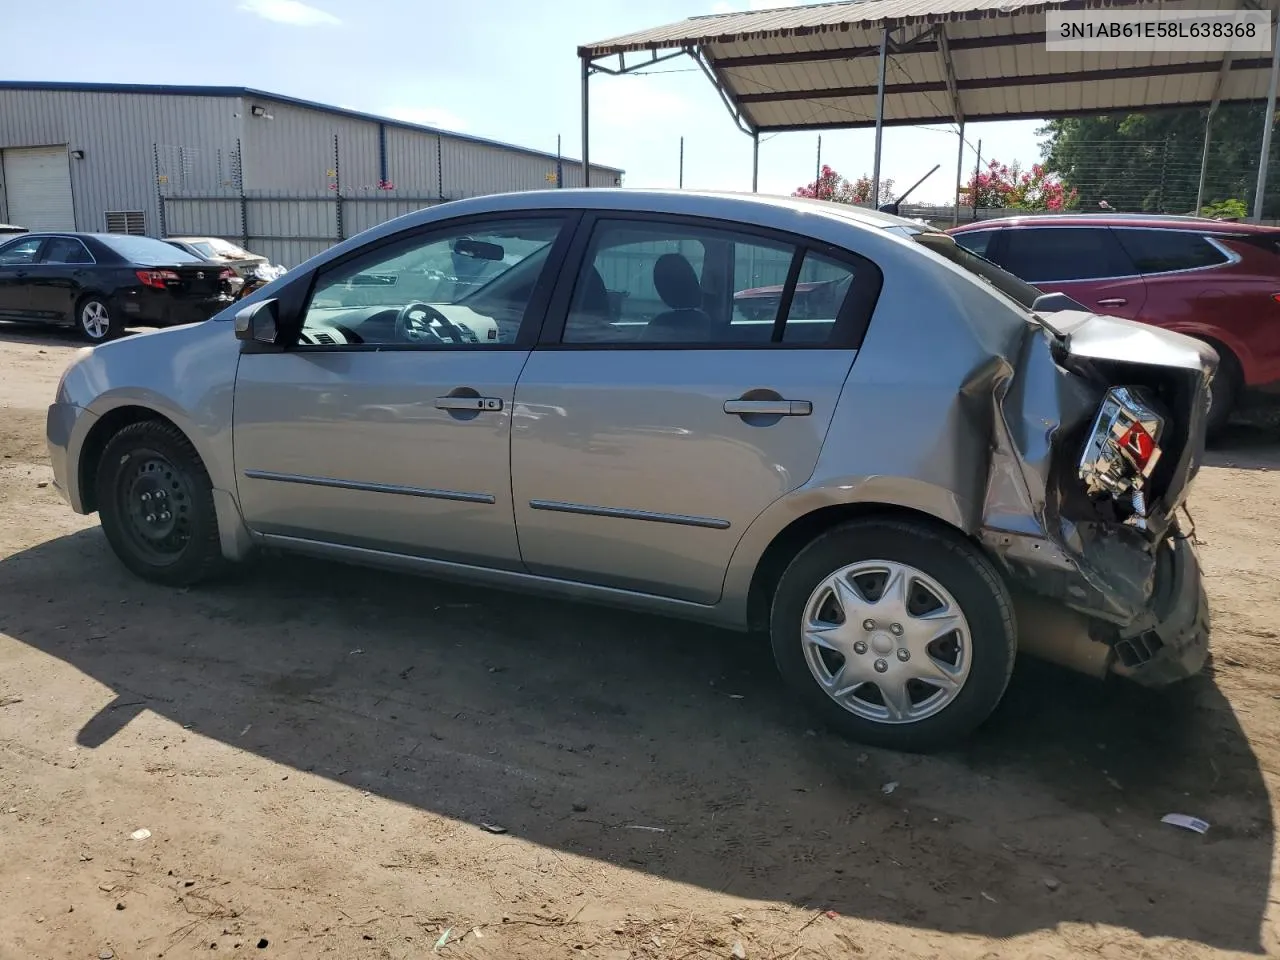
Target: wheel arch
791	539
100	434
233	533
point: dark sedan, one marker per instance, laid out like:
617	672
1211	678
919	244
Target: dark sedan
99	282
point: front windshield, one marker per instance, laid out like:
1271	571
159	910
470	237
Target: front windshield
446	271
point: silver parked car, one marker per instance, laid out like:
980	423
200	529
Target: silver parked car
558	391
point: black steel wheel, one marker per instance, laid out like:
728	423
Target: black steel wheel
156	505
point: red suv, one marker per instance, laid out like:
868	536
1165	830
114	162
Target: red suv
1211	279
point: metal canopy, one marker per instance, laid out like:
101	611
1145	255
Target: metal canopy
874	63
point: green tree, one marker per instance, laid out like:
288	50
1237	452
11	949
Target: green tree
1150	162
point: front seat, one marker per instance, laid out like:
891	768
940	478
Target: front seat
589	319
677	285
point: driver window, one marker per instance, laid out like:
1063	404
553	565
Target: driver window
461	286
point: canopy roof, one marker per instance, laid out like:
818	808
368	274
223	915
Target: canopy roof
817	67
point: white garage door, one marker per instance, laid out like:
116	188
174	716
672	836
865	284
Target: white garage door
37	186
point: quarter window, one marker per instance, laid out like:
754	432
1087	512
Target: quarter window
20	251
1055	254
1163	251
461	286
655	283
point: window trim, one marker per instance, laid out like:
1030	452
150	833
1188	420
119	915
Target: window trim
530	323
851	322
1232	257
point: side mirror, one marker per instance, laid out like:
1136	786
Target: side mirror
259	322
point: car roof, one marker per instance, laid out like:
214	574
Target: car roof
1143	220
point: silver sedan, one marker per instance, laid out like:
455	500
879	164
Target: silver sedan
903	476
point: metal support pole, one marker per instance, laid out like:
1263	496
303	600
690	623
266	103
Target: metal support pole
586	124
682	163
337	190
955	218
1204	158
817	172
1268	122
884	60
160	210
755	161
977	172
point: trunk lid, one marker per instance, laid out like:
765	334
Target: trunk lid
194	281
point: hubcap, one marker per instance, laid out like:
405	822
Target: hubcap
95	319
886	641
156	504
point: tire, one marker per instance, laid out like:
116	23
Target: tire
96	321
1224	392
970	668
178	546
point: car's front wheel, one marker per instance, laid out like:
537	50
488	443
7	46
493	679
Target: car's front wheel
156	505
899	635
96	320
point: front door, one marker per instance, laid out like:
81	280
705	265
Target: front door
55	281
16	260
1086	263
659	417
388	426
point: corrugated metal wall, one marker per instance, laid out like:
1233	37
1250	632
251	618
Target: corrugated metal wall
273	183
117	132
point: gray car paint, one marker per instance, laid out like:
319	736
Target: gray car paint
950	409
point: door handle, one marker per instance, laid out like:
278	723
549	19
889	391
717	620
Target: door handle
469	403
769	408
1113	302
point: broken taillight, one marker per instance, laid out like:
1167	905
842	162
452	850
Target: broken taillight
1122	450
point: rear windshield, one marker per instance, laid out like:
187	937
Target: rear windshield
146	251
1019	291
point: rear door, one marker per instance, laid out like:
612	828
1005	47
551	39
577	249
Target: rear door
1085	262
655	421
17	258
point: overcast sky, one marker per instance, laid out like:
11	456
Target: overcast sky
505	69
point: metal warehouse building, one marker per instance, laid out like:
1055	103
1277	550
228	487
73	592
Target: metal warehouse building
285	177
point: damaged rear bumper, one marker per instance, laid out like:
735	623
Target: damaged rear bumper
1177	645
1168	643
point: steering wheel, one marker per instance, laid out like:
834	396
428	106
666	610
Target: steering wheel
414	324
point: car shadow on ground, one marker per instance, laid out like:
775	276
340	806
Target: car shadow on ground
484	706
49	334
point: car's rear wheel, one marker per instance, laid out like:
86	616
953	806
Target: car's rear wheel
897	634
96	321
156	505
1223	392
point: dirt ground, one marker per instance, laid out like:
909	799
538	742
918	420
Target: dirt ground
316	751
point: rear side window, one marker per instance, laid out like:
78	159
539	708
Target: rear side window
65	250
1056	254
1164	251
652	282
975	241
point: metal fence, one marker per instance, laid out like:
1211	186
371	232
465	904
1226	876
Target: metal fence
334	196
